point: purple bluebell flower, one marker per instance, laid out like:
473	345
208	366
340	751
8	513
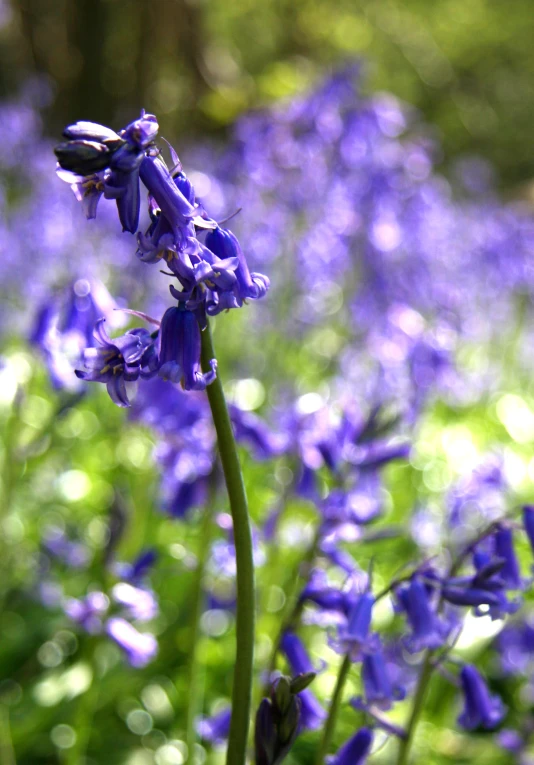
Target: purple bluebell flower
378	687
119	360
215	729
355	750
136	571
354	638
88	611
252	430
73	554
179	357
296	653
223	243
312	714
140	648
528	522
170	200
481	708
88	190
428	631
511	741
139	603
470	596
327	598
504	549
110	161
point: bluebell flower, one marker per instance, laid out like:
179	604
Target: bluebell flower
378	688
528	522
223	243
504	549
139	603
354	638
428	631
252	430
481	708
470	596
179	356
296	653
110	163
140	648
176	208
215	729
355	750
73	554
88	189
119	360
328	598
312	714
88	611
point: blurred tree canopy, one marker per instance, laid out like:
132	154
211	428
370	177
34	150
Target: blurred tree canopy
467	64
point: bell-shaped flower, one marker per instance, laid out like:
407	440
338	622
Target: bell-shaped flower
296	654
140	648
355	750
528	522
88	611
87	189
481	708
170	200
428	631
354	638
139	603
215	729
118	361
223	243
179	357
312	714
504	549
379	690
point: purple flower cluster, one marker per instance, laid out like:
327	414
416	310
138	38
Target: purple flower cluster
211	276
129	603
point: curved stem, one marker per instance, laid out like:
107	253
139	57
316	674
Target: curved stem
330	723
242	687
418	702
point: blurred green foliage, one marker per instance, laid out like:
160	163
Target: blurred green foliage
468	65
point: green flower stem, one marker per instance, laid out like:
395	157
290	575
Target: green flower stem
193	680
330	723
242	687
418	703
7	754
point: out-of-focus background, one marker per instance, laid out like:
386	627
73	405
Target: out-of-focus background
468	66
382	154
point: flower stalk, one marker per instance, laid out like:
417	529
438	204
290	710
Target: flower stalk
330	723
245	617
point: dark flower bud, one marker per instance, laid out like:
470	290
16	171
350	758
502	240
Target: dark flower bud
82	157
470	596
265	734
301	682
91	131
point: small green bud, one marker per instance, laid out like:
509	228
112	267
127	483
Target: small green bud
300	682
